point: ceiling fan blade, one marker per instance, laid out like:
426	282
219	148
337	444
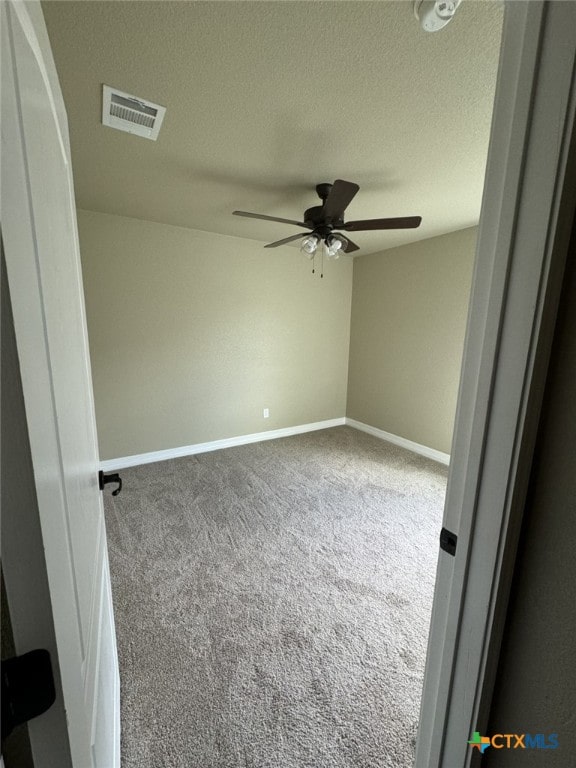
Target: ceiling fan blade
406	222
270	218
339	198
286	240
351	246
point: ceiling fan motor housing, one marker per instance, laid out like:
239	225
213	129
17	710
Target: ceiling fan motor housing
316	220
315	217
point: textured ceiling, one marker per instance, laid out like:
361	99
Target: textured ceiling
266	99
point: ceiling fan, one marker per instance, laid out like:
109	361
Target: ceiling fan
323	219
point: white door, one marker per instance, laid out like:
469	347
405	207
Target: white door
523	240
44	275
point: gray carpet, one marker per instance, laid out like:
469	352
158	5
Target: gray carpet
272	603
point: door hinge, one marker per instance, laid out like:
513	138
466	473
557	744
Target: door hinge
111	478
448	541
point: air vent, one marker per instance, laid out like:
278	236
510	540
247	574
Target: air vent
131	114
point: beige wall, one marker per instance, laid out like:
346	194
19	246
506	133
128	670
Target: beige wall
409	310
192	334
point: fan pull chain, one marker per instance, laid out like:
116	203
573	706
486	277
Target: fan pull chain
313	257
322	268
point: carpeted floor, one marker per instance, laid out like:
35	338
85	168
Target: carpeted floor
272	603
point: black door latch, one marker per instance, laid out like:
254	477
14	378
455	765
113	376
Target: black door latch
448	541
111	478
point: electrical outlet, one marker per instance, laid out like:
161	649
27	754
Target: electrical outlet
266	413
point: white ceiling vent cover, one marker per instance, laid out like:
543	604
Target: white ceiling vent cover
131	114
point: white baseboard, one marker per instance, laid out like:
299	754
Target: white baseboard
215	445
423	450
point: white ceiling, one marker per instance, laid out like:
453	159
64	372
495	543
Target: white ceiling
267	99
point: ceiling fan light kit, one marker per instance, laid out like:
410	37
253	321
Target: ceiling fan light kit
309	245
333	245
323	219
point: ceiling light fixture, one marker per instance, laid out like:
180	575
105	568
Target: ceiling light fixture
333	245
433	15
309	245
